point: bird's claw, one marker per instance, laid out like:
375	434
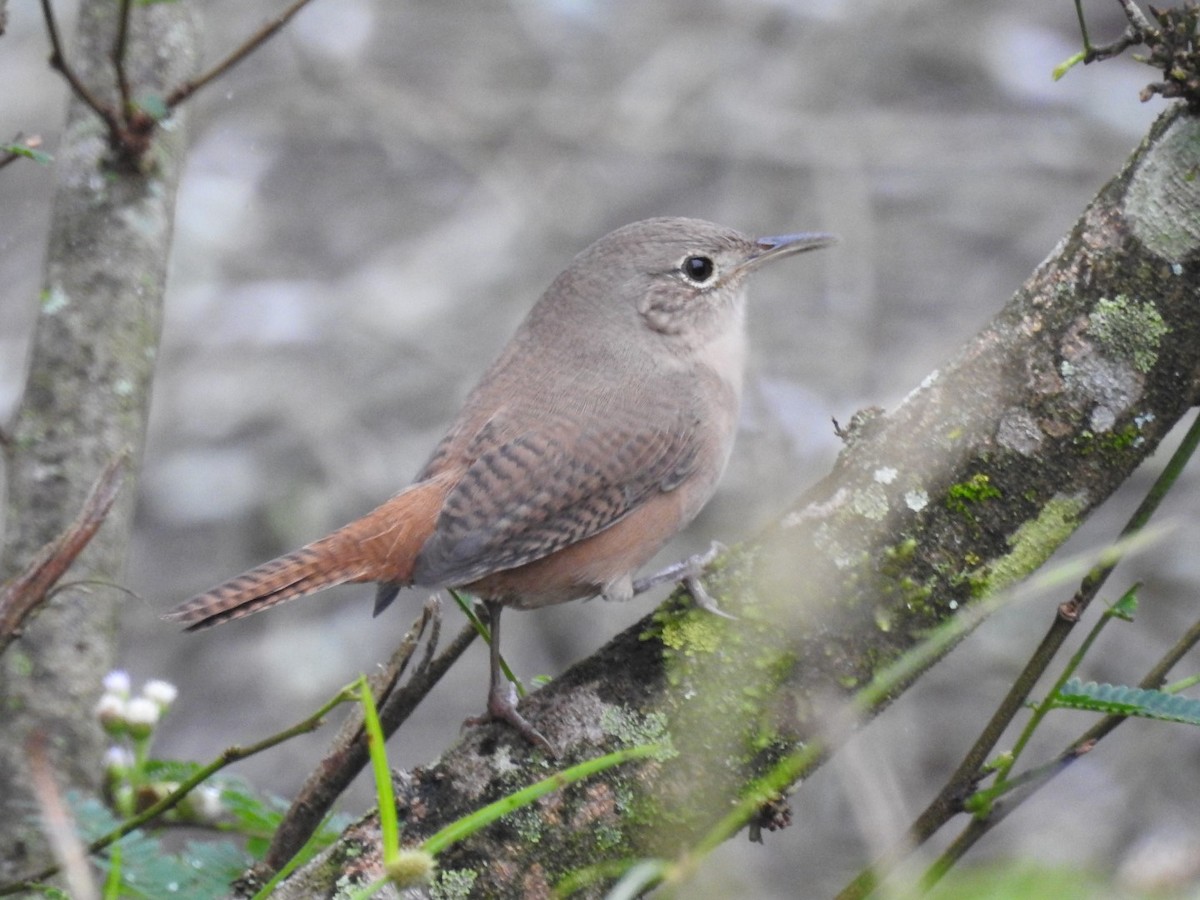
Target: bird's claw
502	707
702	598
688	572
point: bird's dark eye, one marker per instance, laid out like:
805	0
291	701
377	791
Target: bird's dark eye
698	269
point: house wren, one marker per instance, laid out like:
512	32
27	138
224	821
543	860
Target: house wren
597	435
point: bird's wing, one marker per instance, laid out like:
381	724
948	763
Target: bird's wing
536	491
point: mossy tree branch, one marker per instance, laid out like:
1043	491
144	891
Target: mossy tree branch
963	490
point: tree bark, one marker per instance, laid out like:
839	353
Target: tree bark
86	402
962	491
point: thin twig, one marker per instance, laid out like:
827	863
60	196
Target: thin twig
1136	17
120	46
433	606
1070	613
399	705
1028	783
327	781
1083	29
260	37
1137	32
20	596
57	822
58	60
1129	38
349	754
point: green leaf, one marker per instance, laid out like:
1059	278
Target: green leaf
215	864
49	890
1118	699
1126	608
1022	879
388	821
112	884
1066	65
257	817
28	152
254	817
144	869
154	106
92	818
640	877
170	769
483	631
316	841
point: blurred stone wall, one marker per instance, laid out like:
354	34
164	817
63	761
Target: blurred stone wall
374	200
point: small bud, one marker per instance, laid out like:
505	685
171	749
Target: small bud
117	760
410	868
122	799
146	795
204	804
111	711
161	692
117	682
118	765
141	715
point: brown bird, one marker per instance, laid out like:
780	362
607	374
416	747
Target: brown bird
597	435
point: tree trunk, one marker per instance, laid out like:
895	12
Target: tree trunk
962	491
86	401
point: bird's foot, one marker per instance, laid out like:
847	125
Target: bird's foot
502	707
688	572
702	598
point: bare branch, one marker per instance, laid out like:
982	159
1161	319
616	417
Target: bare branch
256	40
57	821
1137	19
120	46
23	594
348	753
58	60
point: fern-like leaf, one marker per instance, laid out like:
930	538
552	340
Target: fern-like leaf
202	872
1119	699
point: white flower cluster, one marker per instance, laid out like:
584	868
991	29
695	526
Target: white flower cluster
130	784
123	714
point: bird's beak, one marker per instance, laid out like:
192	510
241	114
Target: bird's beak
779	246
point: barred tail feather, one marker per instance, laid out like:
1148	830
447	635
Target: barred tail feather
294	575
381	546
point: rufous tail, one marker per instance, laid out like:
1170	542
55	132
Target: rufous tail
285	578
381	546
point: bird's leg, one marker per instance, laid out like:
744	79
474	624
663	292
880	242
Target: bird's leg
691	566
502	694
688	572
